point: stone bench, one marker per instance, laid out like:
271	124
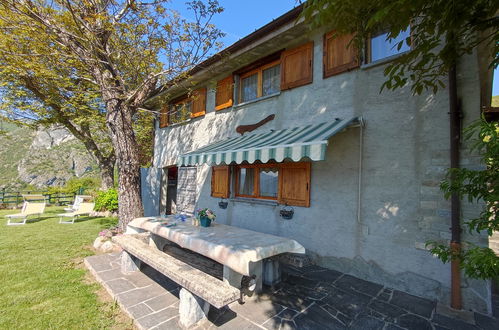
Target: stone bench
199	290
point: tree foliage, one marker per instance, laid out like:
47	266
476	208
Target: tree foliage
441	32
124	50
477	186
40	87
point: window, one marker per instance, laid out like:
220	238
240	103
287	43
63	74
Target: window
339	54
296	66
259	82
180	111
287	183
184	108
380	48
257	181
224	94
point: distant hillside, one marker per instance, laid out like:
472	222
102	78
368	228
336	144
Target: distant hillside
495	101
41	158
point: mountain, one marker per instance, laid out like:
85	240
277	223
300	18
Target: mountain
41	158
495	101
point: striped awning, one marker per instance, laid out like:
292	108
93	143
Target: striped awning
294	143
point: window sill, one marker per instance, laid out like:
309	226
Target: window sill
256	100
254	201
382	61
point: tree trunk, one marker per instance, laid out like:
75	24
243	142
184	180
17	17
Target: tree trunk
119	122
107	174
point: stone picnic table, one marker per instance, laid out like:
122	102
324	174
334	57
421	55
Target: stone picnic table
242	252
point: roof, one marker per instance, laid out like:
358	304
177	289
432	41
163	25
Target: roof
258	34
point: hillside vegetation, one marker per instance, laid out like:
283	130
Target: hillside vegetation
41	158
495	101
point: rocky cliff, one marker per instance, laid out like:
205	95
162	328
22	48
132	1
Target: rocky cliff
42	158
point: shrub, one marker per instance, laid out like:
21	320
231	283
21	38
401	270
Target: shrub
107	200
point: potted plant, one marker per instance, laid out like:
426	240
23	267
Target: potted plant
206	216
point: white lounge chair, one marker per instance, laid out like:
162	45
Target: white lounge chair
83	209
29	208
78	200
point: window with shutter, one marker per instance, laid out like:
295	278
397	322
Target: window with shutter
220	181
288	183
224	94
180	110
296	66
198	102
163	116
294	184
339	56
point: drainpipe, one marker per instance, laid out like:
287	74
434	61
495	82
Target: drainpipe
455	244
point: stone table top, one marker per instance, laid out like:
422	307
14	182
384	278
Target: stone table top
231	246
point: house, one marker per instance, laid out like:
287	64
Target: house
359	169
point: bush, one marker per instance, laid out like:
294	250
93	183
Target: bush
107	200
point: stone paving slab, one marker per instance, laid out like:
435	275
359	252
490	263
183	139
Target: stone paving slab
308	298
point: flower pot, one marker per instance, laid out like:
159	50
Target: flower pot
205	221
287	212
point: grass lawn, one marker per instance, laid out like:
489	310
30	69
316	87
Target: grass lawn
42	279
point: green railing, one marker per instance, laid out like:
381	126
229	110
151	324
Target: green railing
16	198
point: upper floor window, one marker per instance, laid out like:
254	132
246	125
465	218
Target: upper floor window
380	48
259	82
180	111
184	108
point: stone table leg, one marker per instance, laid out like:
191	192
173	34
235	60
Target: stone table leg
234	278
192	309
271	271
129	263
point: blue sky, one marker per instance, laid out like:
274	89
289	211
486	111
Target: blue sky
241	17
495	88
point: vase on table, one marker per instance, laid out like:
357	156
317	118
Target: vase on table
205	221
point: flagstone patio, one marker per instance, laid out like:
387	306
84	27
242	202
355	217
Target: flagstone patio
308	298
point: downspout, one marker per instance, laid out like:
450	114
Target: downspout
455	244
361	156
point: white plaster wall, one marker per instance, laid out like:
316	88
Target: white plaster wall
405	154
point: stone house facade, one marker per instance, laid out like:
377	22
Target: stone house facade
368	207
